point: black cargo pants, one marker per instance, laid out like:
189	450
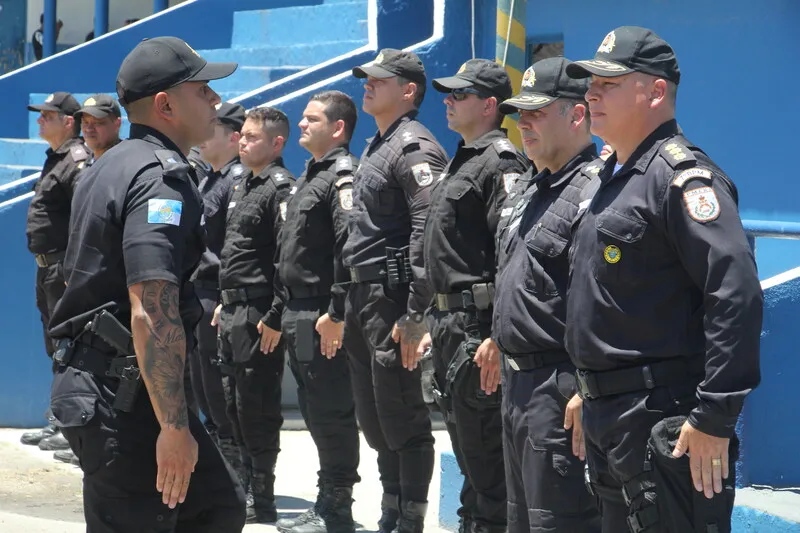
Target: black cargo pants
389	404
49	290
474	422
324	392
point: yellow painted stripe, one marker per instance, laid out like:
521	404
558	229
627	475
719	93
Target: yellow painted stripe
513	133
517	29
515	76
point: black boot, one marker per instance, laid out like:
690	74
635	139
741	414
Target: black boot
285	524
412	517
263	486
32	438
390	512
335	514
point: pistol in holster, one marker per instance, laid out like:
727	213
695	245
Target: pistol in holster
125	368
398	266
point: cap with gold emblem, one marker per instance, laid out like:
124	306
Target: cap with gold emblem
480	74
99	106
390	63
161	63
544	83
60	102
630	49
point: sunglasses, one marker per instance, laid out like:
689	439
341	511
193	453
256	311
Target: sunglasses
461	94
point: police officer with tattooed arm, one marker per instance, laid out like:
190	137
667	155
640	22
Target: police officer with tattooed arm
135	238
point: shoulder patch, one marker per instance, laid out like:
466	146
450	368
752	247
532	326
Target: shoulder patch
509	180
504	145
344	165
347	180
692	173
162	211
676	154
423	174
702	204
346	198
79	153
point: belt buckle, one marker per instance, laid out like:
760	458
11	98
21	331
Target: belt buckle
41	260
582	378
441	302
468	299
513	364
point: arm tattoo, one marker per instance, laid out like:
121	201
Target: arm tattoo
163	359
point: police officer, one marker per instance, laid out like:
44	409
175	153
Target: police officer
460	266
48	221
544	461
248	318
389	293
664	309
222	153
314	283
100	121
136	237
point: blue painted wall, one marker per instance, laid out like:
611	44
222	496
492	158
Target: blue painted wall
13	20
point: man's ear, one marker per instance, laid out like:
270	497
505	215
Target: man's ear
162	106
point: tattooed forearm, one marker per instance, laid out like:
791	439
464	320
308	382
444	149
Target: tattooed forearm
160	342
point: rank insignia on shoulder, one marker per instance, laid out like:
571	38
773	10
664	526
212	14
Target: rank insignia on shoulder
592	170
422	174
702	204
676	154
408	137
283	211
504	145
509	180
346	199
279	176
692	173
343	164
612	254
79	154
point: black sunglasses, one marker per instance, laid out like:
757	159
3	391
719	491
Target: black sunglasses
461	94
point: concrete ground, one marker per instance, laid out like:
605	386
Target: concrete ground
41	495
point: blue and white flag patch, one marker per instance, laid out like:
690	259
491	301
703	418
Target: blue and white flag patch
160	211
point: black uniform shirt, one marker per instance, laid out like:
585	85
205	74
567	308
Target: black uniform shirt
315	230
48	212
390	200
256	212
466	202
661	268
531	286
216	191
136	217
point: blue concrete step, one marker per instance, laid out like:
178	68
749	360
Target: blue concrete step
9	173
278	56
246	79
307	24
25	152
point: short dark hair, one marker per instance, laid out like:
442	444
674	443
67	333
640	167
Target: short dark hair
419	96
273	121
568	104
339	106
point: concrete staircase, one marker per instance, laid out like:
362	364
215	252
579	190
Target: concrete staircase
268	44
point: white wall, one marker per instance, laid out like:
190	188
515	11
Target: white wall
78	16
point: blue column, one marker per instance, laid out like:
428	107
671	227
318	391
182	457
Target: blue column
160	5
50	17
100	17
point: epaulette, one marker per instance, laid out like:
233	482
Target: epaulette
237	170
691	174
592	170
341	182
410	141
676	154
173	164
281	178
504	146
79	153
344	165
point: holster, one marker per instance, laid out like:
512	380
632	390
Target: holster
463	378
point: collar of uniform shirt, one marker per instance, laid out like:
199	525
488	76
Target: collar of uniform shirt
330	157
484	140
411	115
152	135
554	180
645	152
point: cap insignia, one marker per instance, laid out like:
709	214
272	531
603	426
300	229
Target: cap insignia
462	69
608	43
49	99
529	78
90	102
379	59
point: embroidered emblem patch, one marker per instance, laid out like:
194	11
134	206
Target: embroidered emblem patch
702	204
162	211
692	173
608	43
422	174
509	180
612	254
346	199
529	78
89	102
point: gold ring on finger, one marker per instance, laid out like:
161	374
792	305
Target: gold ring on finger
716	462
335	343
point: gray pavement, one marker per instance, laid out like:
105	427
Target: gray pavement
41	495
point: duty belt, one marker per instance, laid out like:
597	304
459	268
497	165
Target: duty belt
480	296
244	294
46	260
99	363
535	360
593	385
364	274
311	291
394	271
206	285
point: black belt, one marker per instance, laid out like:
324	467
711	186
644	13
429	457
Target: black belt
244	294
480	296
310	291
535	360
368	273
206	285
46	260
593	385
90	359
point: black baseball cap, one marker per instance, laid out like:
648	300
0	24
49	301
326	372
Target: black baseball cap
390	63
630	49
161	63
59	102
543	83
99	106
231	115
481	74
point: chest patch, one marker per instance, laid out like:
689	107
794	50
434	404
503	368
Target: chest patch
702	204
346	199
422	174
162	211
509	180
612	254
